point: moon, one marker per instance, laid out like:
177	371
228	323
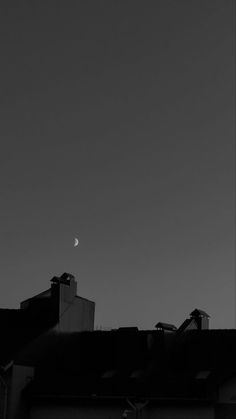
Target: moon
76	242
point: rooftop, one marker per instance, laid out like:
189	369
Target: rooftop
122	362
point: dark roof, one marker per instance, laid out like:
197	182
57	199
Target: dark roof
165	326
14	339
186	325
10	317
98	349
119	363
43	294
84	299
199	313
18	327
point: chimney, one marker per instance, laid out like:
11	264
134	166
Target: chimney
74	313
67	285
166	327
201	319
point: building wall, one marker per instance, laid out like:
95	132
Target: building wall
194	412
60	307
3	397
46	412
21	375
76	315
225	411
226	406
70	412
227	391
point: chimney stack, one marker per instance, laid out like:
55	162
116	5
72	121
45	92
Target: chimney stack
74	313
67	285
201	319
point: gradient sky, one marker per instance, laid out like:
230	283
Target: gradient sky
118	127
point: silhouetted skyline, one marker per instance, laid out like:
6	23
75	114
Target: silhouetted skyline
118	127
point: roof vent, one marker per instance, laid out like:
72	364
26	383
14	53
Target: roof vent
63	279
166	327
199	320
67	276
199	313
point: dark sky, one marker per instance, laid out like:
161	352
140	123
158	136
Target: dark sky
117	127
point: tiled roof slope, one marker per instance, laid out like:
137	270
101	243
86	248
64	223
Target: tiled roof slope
119	363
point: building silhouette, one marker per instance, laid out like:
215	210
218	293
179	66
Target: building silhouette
58	308
66	370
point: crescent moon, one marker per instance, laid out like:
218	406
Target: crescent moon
76	242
